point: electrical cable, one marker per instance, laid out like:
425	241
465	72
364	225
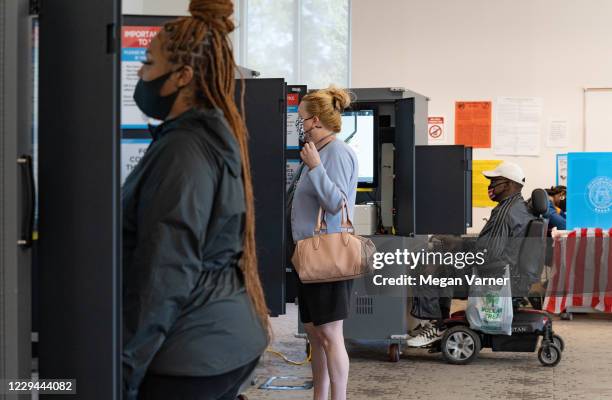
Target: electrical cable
287	360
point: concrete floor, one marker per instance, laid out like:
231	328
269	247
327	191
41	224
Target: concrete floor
584	372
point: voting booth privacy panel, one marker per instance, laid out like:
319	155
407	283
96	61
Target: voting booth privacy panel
443	189
402	123
80	209
581	279
265	112
589	190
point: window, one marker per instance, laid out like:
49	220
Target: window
303	41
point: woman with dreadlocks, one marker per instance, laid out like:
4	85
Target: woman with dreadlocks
191	291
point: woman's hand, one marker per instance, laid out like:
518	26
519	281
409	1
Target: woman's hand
310	155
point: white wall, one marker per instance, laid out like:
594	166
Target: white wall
453	50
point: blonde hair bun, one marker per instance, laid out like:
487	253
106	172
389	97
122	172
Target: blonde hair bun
341	98
328	104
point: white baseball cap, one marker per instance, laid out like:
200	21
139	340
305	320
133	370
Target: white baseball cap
508	170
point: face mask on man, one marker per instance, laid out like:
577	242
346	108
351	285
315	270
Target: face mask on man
493	193
150	102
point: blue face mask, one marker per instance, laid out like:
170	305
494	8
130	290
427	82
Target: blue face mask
150	102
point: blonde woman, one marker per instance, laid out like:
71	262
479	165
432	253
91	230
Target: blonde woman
328	179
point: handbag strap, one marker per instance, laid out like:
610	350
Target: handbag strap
344	215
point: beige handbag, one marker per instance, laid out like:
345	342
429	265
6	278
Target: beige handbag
330	257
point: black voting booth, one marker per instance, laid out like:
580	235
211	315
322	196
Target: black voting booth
443	189
430	186
266	120
402	123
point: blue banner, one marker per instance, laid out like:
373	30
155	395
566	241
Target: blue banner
589	190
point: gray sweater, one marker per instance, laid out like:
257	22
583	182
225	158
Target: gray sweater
325	186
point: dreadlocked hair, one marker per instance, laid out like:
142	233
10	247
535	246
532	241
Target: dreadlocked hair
201	41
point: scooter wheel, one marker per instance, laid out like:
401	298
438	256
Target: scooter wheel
549	355
394	352
460	345
558	341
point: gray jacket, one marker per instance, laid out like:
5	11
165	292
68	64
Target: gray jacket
185	306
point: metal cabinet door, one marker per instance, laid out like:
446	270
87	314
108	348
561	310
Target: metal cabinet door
79	177
441	193
266	121
15	190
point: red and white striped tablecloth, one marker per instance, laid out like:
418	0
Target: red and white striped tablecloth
582	271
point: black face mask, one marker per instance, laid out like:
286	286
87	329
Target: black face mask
562	204
493	195
150	102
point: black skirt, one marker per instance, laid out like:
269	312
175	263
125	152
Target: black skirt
321	303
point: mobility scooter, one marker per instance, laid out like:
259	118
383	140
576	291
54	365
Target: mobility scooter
460	344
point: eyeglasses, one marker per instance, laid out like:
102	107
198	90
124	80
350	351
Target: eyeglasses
299	122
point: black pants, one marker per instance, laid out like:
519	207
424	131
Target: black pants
218	387
431	308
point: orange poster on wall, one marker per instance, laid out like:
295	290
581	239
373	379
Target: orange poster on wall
473	123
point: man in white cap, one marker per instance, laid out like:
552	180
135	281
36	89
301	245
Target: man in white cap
508	222
509	219
508	174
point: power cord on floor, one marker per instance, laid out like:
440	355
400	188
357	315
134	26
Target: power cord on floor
287	360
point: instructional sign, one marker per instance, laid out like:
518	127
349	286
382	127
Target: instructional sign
292	116
518	122
132	151
294	96
134	43
558	133
436	134
473	123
